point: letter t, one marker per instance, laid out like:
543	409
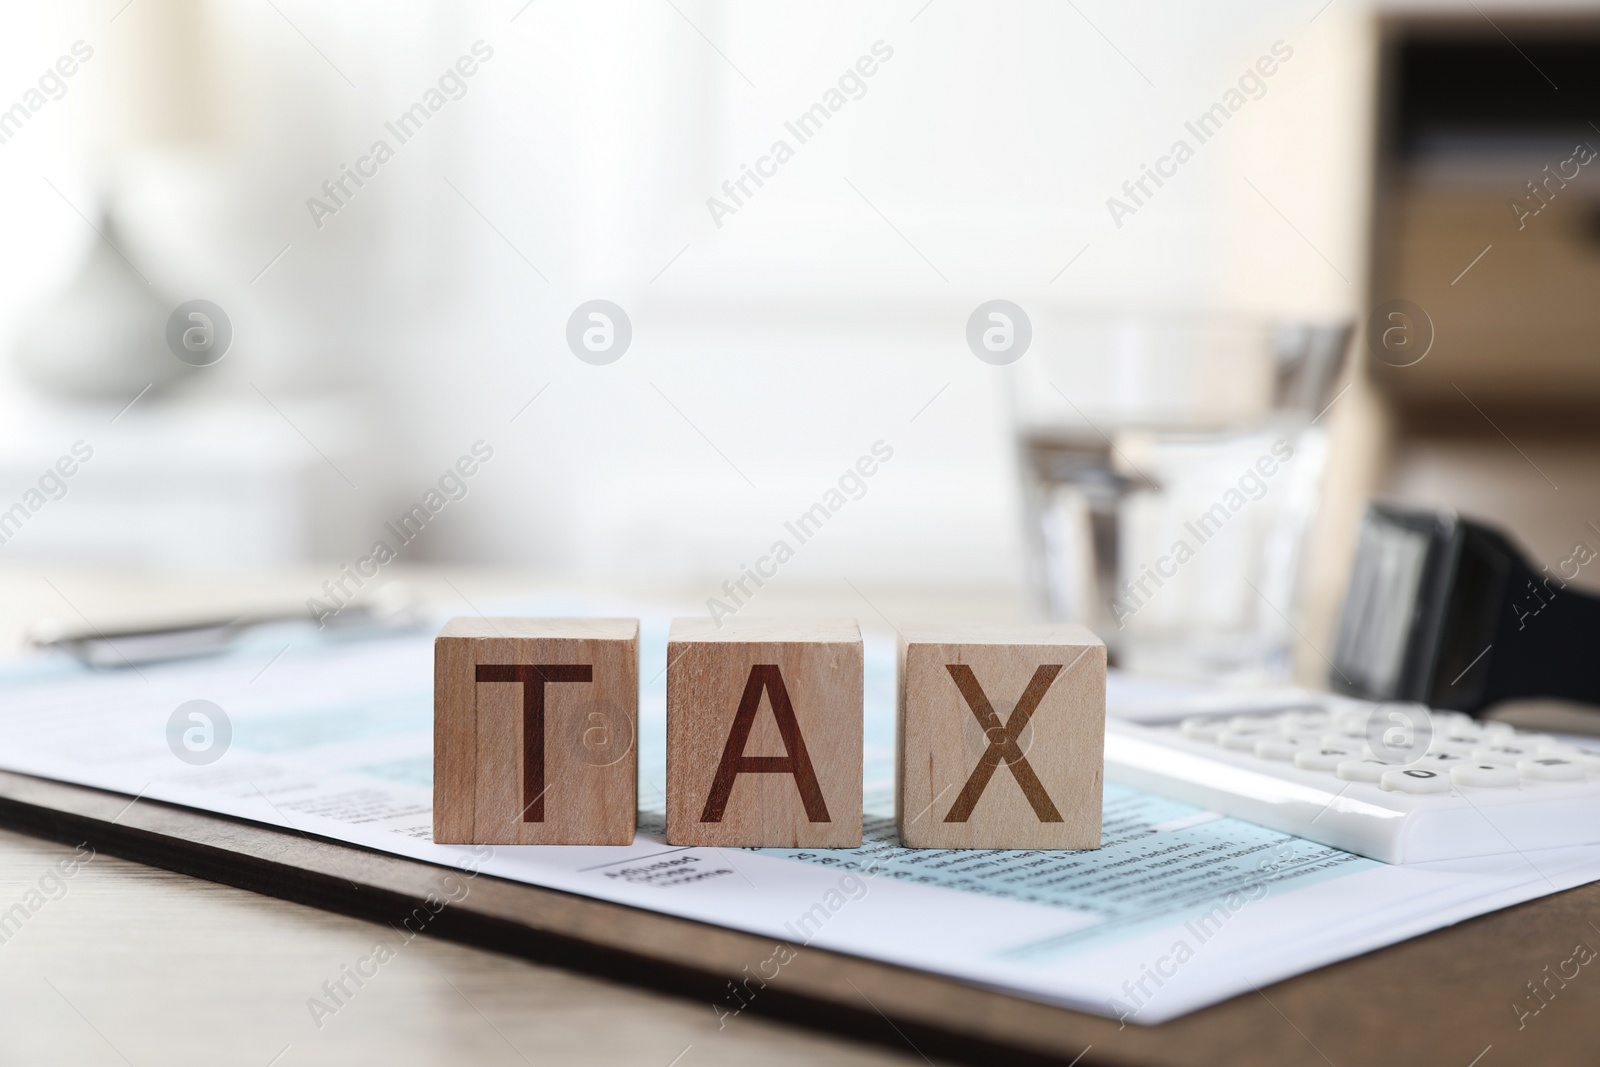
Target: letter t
533	678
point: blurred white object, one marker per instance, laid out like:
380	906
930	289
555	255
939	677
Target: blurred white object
102	336
180	484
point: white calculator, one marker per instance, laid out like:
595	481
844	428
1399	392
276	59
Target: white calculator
1478	789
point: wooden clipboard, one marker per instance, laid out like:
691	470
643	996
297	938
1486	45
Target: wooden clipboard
1459	979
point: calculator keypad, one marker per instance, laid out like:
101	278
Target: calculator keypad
1463	753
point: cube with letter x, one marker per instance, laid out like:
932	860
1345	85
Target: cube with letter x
764	733
1002	736
533	731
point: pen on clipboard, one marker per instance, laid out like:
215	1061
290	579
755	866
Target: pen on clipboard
180	637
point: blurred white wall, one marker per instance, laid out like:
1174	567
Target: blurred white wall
768	353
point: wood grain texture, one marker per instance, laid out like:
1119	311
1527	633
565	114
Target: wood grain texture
1437	1000
764	733
501	780
1001	736
455	739
91	977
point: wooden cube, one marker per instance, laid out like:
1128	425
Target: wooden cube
764	733
534	725
1001	736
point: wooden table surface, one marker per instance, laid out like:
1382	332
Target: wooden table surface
130	964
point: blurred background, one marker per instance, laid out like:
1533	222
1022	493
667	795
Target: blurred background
396	214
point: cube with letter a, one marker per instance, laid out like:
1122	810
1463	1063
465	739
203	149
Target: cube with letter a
533	731
1001	736
764	733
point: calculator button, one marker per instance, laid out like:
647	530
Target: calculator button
1248	724
1441	759
1464	730
1415	780
1483	775
1324	758
1311	741
1550	769
1359	749
1304	722
1200	729
1278	748
1362	770
1589	758
1351	723
1510	755
1497	730
1240	740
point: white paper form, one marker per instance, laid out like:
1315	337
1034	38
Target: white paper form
1181	908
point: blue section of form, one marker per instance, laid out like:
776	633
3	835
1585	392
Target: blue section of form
1146	872
297	730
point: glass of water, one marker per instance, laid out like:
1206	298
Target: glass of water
1172	466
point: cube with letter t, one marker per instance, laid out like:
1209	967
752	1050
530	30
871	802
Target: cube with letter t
1002	736
533	731
764	733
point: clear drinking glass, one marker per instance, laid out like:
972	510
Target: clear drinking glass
1171	467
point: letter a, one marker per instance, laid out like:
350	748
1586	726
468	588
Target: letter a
765	676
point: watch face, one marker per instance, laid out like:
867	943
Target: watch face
1381	611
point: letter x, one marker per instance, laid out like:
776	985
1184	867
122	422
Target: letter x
1003	742
533	677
